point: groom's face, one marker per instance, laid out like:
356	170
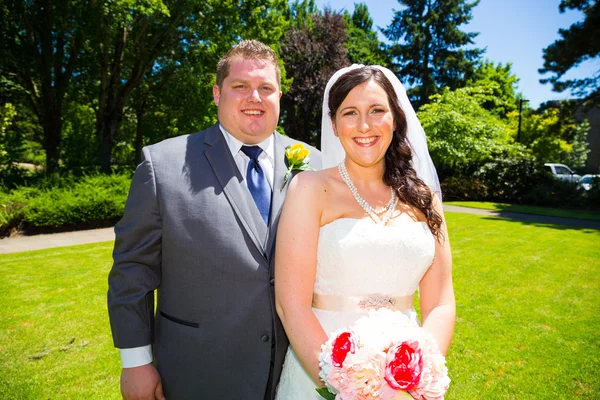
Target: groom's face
248	100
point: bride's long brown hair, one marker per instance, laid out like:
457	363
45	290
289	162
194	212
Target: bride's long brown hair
399	173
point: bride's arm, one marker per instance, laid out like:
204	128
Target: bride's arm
295	266
438	307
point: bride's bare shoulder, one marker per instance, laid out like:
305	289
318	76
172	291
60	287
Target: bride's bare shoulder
314	180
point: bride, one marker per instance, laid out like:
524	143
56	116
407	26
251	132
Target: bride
369	228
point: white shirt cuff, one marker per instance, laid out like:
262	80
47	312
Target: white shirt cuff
136	356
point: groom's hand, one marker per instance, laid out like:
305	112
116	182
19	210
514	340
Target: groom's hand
141	383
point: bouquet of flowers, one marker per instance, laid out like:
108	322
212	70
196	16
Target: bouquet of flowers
384	356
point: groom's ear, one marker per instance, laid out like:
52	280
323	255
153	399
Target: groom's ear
216	94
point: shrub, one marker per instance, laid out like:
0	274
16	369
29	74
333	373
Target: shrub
592	196
555	193
12	212
57	202
13	176
96	200
510	178
519	179
463	188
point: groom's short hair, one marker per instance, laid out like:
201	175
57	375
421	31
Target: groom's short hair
247	50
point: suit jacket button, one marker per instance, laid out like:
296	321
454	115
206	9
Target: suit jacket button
272	281
264	338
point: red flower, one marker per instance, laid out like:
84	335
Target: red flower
342	345
404	365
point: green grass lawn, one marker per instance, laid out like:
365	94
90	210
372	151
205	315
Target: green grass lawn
528	305
553	212
55	340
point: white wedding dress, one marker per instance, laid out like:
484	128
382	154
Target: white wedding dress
357	259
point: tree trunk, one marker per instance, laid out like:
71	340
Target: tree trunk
105	153
50	117
110	126
140	112
52	136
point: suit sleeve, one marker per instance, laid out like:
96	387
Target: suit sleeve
137	261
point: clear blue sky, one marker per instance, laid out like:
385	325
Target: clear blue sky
513	31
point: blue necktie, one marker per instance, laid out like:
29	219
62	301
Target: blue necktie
257	182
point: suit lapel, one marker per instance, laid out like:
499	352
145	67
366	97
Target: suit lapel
278	194
230	178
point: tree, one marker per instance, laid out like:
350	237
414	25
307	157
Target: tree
302	12
144	43
7	114
176	94
474	149
264	20
433	53
80	145
311	57
363	45
170	102
462	135
22	131
579	43
132	38
553	135
40	48
501	85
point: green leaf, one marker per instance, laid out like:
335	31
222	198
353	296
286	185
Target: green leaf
304	167
326	394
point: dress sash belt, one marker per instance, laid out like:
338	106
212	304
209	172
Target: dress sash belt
361	303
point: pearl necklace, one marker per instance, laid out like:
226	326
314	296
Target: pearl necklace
389	208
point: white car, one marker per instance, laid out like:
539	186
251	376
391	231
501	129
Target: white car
586	181
562	172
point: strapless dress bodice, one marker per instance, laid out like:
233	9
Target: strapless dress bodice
358	257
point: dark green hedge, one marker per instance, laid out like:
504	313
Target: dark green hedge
58	203
518	180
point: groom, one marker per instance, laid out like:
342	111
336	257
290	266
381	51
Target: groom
199	227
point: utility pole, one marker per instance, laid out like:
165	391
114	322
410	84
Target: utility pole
521	101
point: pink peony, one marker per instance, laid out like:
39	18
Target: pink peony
404	365
342	345
361	377
434	379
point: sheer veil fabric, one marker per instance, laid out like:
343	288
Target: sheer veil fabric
333	152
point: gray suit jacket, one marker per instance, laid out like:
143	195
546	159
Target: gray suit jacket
192	231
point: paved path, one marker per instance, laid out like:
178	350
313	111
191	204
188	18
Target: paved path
45	241
37	242
543	219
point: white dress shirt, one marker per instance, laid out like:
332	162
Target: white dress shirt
266	159
138	356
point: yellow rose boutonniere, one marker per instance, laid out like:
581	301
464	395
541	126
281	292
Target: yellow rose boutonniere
297	158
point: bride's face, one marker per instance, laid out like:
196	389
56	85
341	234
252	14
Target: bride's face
364	124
